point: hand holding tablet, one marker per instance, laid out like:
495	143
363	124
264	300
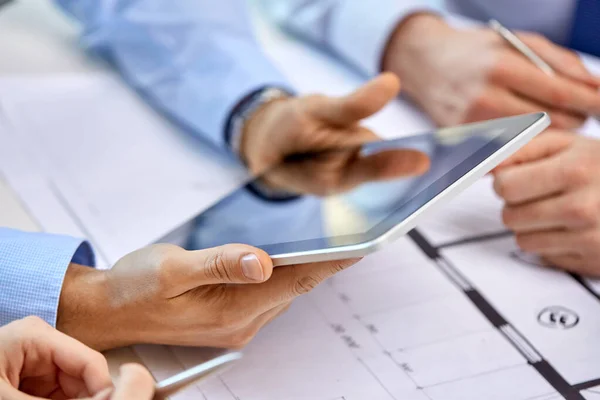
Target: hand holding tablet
369	182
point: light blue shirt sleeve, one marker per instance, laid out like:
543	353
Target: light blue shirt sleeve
193	60
356	30
32	270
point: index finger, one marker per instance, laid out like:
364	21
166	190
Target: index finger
524	78
289	282
546	145
563	60
522	183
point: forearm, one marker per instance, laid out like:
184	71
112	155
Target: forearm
356	30
192	60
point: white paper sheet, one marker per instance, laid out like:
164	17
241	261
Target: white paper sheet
473	322
470	324
90	159
412	322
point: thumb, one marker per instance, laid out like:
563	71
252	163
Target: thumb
543	146
135	383
232	263
362	103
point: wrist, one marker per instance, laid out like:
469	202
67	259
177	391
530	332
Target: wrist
409	37
85	312
243	112
254	137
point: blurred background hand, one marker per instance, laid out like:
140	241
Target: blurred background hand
309	124
552	194
339	171
460	76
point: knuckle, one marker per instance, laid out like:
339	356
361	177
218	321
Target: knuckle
501	187
304	285
216	267
99	360
567	122
577	174
590	240
560	97
500	69
594	239
337	267
524	242
582	212
484	103
508	217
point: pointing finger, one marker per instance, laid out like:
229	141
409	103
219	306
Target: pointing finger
362	103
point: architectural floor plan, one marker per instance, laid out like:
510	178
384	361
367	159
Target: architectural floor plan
439	315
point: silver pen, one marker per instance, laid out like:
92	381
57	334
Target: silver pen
518	44
176	383
525	50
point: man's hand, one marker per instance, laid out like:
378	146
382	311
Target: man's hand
134	383
460	76
162	294
552	193
312	124
36	361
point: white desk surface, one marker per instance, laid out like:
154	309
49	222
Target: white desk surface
36	39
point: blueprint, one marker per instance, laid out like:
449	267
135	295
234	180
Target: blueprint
453	311
431	317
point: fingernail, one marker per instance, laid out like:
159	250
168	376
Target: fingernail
252	268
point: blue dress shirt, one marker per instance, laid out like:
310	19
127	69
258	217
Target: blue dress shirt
359	30
193	60
32	269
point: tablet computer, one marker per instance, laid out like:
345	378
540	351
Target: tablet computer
298	216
